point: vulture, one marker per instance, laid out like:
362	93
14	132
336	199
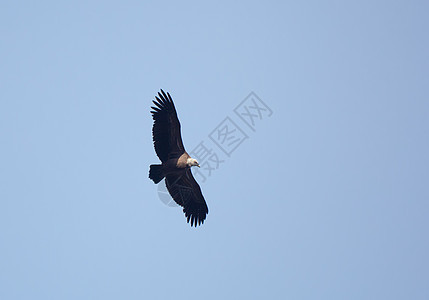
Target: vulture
176	163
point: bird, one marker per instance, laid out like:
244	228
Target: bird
176	163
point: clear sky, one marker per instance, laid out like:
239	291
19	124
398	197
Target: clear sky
326	197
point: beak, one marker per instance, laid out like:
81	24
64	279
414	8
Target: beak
198	166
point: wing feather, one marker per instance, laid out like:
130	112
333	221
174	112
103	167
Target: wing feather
187	193
166	133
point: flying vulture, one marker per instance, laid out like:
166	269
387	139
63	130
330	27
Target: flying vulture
176	163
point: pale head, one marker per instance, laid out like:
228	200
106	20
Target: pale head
192	162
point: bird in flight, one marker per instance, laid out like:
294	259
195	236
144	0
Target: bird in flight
176	163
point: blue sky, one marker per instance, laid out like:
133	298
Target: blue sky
326	199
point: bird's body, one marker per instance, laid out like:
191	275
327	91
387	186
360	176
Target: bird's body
176	163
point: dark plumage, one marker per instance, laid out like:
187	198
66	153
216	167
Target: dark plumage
176	162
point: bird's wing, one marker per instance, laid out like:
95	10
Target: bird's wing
187	193
167	138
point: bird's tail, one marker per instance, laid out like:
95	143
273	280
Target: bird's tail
156	173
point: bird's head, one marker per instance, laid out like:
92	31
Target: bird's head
192	162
